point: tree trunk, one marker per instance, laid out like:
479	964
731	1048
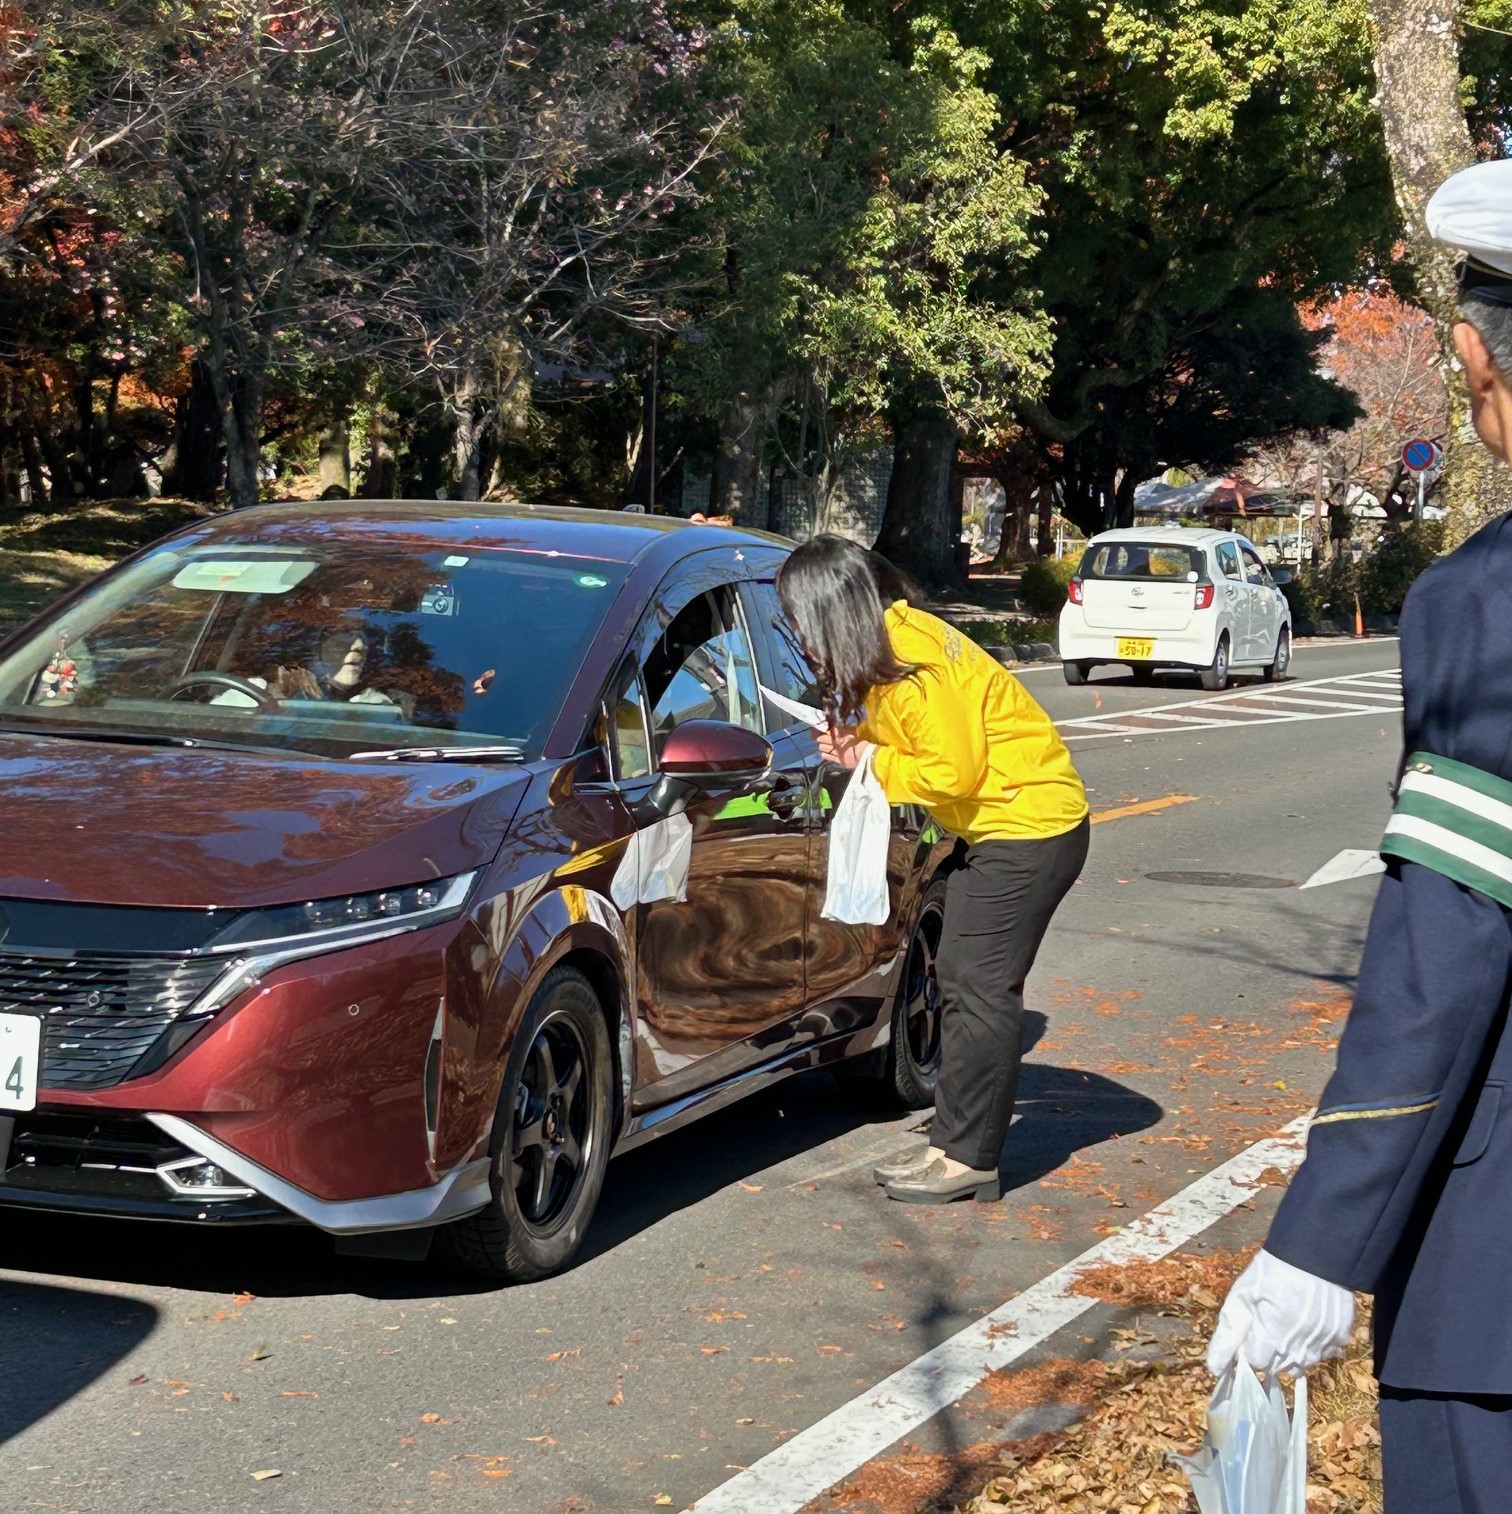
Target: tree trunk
193	469
737	464
382	471
921	524
336	461
31	459
469	410
1417	68
776	483
59	466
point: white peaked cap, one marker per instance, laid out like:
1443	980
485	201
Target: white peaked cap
1472	210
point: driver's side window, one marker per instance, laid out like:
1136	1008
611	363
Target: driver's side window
1254	569
699	668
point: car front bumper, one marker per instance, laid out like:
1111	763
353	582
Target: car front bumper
320	1096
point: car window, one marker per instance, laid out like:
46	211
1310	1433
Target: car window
700	667
631	746
1228	559
790	672
1140	559
1253	567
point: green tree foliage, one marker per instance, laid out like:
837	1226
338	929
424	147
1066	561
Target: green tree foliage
860	197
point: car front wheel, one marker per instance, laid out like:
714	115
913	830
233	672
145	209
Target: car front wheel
1282	660
1216	676
550	1142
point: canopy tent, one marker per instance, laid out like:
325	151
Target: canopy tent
1210	498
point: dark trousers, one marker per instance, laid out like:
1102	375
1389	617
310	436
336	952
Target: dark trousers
998	906
1446	1455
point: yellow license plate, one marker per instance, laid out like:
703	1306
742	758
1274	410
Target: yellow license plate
1135	646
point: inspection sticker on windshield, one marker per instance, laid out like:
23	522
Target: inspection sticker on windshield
20	1058
244	575
591	581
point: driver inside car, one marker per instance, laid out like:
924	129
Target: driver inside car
339	673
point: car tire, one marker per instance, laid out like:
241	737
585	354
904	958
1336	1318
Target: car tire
1143	674
1217	675
557	1099
1076	672
904	1072
1282	660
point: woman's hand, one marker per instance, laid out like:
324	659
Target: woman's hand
841	745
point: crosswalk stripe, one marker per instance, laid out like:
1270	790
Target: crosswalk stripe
1318	699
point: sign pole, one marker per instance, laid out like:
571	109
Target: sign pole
1422	483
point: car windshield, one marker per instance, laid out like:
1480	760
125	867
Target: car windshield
1141	559
331	649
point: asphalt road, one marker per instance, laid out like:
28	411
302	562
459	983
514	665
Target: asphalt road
744	1277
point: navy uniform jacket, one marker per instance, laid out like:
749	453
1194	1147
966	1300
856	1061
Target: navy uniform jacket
1406	1192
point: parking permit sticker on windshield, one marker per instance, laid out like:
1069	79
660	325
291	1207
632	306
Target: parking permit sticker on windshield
591	581
453	562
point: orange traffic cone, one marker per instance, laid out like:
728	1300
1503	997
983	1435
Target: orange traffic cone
1359	619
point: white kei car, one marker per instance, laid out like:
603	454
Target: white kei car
1175	597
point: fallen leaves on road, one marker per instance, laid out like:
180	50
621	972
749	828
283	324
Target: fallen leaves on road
1115	1459
265	1474
243	1298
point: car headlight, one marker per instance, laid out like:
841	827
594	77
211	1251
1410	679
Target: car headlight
358	917
259	940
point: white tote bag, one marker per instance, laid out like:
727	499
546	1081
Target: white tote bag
857	893
859	833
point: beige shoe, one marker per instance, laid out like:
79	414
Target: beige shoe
904	1166
934	1184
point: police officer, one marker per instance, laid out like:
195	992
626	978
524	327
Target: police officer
1406	1191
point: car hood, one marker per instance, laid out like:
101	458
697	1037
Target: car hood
91	822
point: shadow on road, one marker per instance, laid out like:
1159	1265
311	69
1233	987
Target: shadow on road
1062	1110
67	1338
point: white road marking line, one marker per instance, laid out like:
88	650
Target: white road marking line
1327	704
1316	699
785	1479
1350	863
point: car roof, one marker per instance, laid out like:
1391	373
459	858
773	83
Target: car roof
606	535
1195	536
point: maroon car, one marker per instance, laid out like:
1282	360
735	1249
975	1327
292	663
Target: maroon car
387	867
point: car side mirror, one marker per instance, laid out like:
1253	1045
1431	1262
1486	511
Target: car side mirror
715	752
704	754
1281	576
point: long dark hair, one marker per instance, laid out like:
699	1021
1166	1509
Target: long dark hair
835	593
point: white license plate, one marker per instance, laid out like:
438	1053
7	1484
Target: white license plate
20	1061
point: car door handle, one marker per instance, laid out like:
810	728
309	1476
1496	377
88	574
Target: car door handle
786	796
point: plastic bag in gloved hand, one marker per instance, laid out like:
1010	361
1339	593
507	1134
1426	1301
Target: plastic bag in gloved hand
1253	1460
859	834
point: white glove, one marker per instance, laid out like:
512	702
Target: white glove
1280	1319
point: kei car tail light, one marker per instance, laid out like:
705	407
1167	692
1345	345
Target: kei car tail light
1074	591
1204	597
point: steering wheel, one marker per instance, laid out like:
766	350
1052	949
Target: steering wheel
224	680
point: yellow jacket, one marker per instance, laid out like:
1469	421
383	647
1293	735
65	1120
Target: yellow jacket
964	739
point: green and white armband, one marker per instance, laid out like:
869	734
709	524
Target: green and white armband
1457	820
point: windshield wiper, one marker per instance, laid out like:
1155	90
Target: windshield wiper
125	737
441	754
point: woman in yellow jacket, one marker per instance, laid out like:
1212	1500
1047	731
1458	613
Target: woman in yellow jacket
953	731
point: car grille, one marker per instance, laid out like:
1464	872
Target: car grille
100	1014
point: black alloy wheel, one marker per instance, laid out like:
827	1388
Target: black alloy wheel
553	1128
551	1139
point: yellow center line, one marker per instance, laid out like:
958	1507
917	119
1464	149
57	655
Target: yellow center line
1144	807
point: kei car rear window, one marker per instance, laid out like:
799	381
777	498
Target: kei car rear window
1143	560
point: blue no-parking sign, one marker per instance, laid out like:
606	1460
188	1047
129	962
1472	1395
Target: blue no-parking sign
1419	455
